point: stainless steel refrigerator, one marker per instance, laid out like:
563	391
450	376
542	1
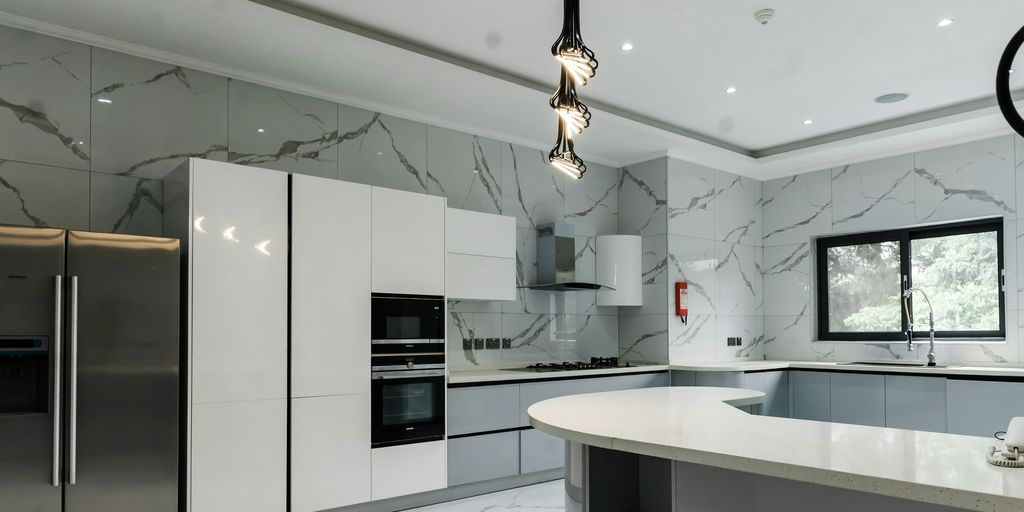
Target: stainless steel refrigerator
89	371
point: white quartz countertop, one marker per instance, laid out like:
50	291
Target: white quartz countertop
484	375
695	424
748	366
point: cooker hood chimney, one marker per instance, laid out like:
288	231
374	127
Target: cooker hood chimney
556	260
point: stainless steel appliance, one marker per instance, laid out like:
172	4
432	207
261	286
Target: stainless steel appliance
556	261
406	323
407	394
89	368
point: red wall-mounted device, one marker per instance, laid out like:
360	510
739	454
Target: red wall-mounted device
682	310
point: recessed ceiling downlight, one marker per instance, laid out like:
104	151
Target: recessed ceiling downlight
945	22
894	97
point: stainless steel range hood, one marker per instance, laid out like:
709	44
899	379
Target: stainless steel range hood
556	261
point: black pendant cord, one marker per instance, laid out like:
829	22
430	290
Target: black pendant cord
1003	95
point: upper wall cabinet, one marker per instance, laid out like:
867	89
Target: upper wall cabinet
481	255
408	242
330	287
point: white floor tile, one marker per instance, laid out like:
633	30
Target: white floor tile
545	496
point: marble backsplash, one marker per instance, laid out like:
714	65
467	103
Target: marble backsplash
89	133
964	181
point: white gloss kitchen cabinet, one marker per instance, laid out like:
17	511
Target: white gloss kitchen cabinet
330	347
408	242
481	255
233	224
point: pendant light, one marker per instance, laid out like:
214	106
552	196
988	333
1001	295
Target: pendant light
578	65
1004	96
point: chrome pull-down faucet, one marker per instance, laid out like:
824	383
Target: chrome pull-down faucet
910	323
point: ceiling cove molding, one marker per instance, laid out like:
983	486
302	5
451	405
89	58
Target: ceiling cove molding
145	52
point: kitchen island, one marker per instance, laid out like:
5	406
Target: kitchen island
689	448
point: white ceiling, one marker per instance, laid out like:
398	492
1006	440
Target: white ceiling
818	60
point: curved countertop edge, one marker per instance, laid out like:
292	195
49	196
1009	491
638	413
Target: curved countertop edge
500	375
751	366
961	497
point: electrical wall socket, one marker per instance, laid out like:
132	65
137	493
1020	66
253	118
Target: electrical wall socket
492	343
734	341
506	343
478	343
467	344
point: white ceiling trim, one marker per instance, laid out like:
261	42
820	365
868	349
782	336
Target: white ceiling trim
146	52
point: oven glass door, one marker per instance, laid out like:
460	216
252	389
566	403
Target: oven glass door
407	409
405	318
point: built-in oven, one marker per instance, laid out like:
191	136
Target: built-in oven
406	323
407	394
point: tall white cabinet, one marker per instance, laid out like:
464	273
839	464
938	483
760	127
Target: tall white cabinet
408	242
233	221
330	393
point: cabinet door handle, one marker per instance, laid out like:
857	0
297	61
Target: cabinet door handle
58	326
73	377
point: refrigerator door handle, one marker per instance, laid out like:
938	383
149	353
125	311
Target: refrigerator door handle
73	378
58	315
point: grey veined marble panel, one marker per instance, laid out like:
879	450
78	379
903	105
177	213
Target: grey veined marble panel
643	192
41	196
737	209
1018	151
44	99
532	191
148	117
281	130
643	338
592	204
967	180
123	204
873	195
384	151
691	199
467	169
797	208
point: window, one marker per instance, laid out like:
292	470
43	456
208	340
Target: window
959	267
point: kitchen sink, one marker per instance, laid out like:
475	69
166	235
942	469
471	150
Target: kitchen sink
907	365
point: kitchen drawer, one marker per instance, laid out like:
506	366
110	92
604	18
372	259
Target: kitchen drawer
482	408
540	451
483	457
407	469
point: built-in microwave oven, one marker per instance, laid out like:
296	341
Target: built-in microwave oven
406	323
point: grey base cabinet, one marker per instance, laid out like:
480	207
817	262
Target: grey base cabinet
915	403
982	408
483	457
541	451
812	398
857	398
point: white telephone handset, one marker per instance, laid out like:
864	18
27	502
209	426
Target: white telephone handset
1012	454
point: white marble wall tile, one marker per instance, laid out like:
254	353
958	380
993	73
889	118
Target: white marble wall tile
873	195
384	151
158	115
643	338
643	193
587	336
41	196
691	199
877	352
467	169
123	204
532	191
1018	152
1012	238
464	326
789	338
966	181
655	278
694	342
693	260
747	327
738	281
44	99
527	300
788	284
738	211
535	338
300	134
1006	352
797	208
592	204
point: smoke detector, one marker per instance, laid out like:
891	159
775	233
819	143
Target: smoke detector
764	16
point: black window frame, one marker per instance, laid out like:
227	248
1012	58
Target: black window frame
904	237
